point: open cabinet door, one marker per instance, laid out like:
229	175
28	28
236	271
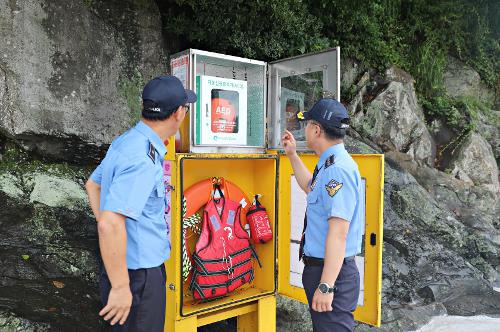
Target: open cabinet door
294	85
292	205
291	209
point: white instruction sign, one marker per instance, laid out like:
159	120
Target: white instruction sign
223	112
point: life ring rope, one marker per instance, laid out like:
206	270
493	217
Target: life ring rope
193	223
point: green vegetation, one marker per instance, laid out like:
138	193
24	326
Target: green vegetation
19	161
131	89
88	3
264	30
415	35
459	113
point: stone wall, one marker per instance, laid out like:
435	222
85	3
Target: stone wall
71	72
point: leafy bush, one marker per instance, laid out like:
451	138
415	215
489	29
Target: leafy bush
460	114
416	35
366	30
264	30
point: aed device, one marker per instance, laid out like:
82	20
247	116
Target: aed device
224	113
233	132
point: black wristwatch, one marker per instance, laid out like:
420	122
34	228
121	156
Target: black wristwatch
324	288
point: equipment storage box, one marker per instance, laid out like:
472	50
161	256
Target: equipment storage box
253	174
233	132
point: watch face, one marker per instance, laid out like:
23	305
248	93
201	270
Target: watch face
323	288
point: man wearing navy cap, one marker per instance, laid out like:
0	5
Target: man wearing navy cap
332	226
127	195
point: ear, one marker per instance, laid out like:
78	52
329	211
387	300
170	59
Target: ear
179	114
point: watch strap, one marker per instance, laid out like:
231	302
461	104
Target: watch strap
329	289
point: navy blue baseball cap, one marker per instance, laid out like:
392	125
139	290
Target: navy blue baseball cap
165	94
328	112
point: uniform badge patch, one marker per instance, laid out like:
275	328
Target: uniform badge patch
333	187
330	161
152	153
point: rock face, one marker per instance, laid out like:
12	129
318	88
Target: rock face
65	97
441	231
387	112
436	256
11	323
489	127
48	248
441	249
474	162
292	316
461	80
350	73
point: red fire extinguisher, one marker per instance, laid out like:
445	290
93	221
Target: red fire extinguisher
260	228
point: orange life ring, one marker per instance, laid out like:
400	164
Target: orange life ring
200	193
197	196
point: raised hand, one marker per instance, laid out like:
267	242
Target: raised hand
289	143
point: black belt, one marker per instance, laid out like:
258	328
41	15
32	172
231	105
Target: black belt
314	261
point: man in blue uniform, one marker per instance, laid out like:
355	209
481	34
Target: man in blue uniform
127	195
332	226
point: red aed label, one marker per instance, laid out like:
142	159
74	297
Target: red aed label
223	118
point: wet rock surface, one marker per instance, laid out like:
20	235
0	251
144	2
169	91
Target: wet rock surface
48	249
387	112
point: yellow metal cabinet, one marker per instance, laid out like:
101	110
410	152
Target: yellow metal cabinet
258	166
255	304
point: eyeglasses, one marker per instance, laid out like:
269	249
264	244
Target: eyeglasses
186	108
315	123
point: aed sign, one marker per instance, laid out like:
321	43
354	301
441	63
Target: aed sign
222	111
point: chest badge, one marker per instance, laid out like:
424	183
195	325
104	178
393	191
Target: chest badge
152	152
333	187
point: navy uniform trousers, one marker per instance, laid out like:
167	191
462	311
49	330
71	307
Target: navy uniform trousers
345	300
147	313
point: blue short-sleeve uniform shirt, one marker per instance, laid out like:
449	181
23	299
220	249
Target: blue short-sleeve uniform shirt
131	179
336	192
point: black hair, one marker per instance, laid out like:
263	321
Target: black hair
148	114
332	133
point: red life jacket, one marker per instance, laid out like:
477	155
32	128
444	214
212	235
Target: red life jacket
223	254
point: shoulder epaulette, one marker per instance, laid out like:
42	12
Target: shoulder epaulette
152	152
330	161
